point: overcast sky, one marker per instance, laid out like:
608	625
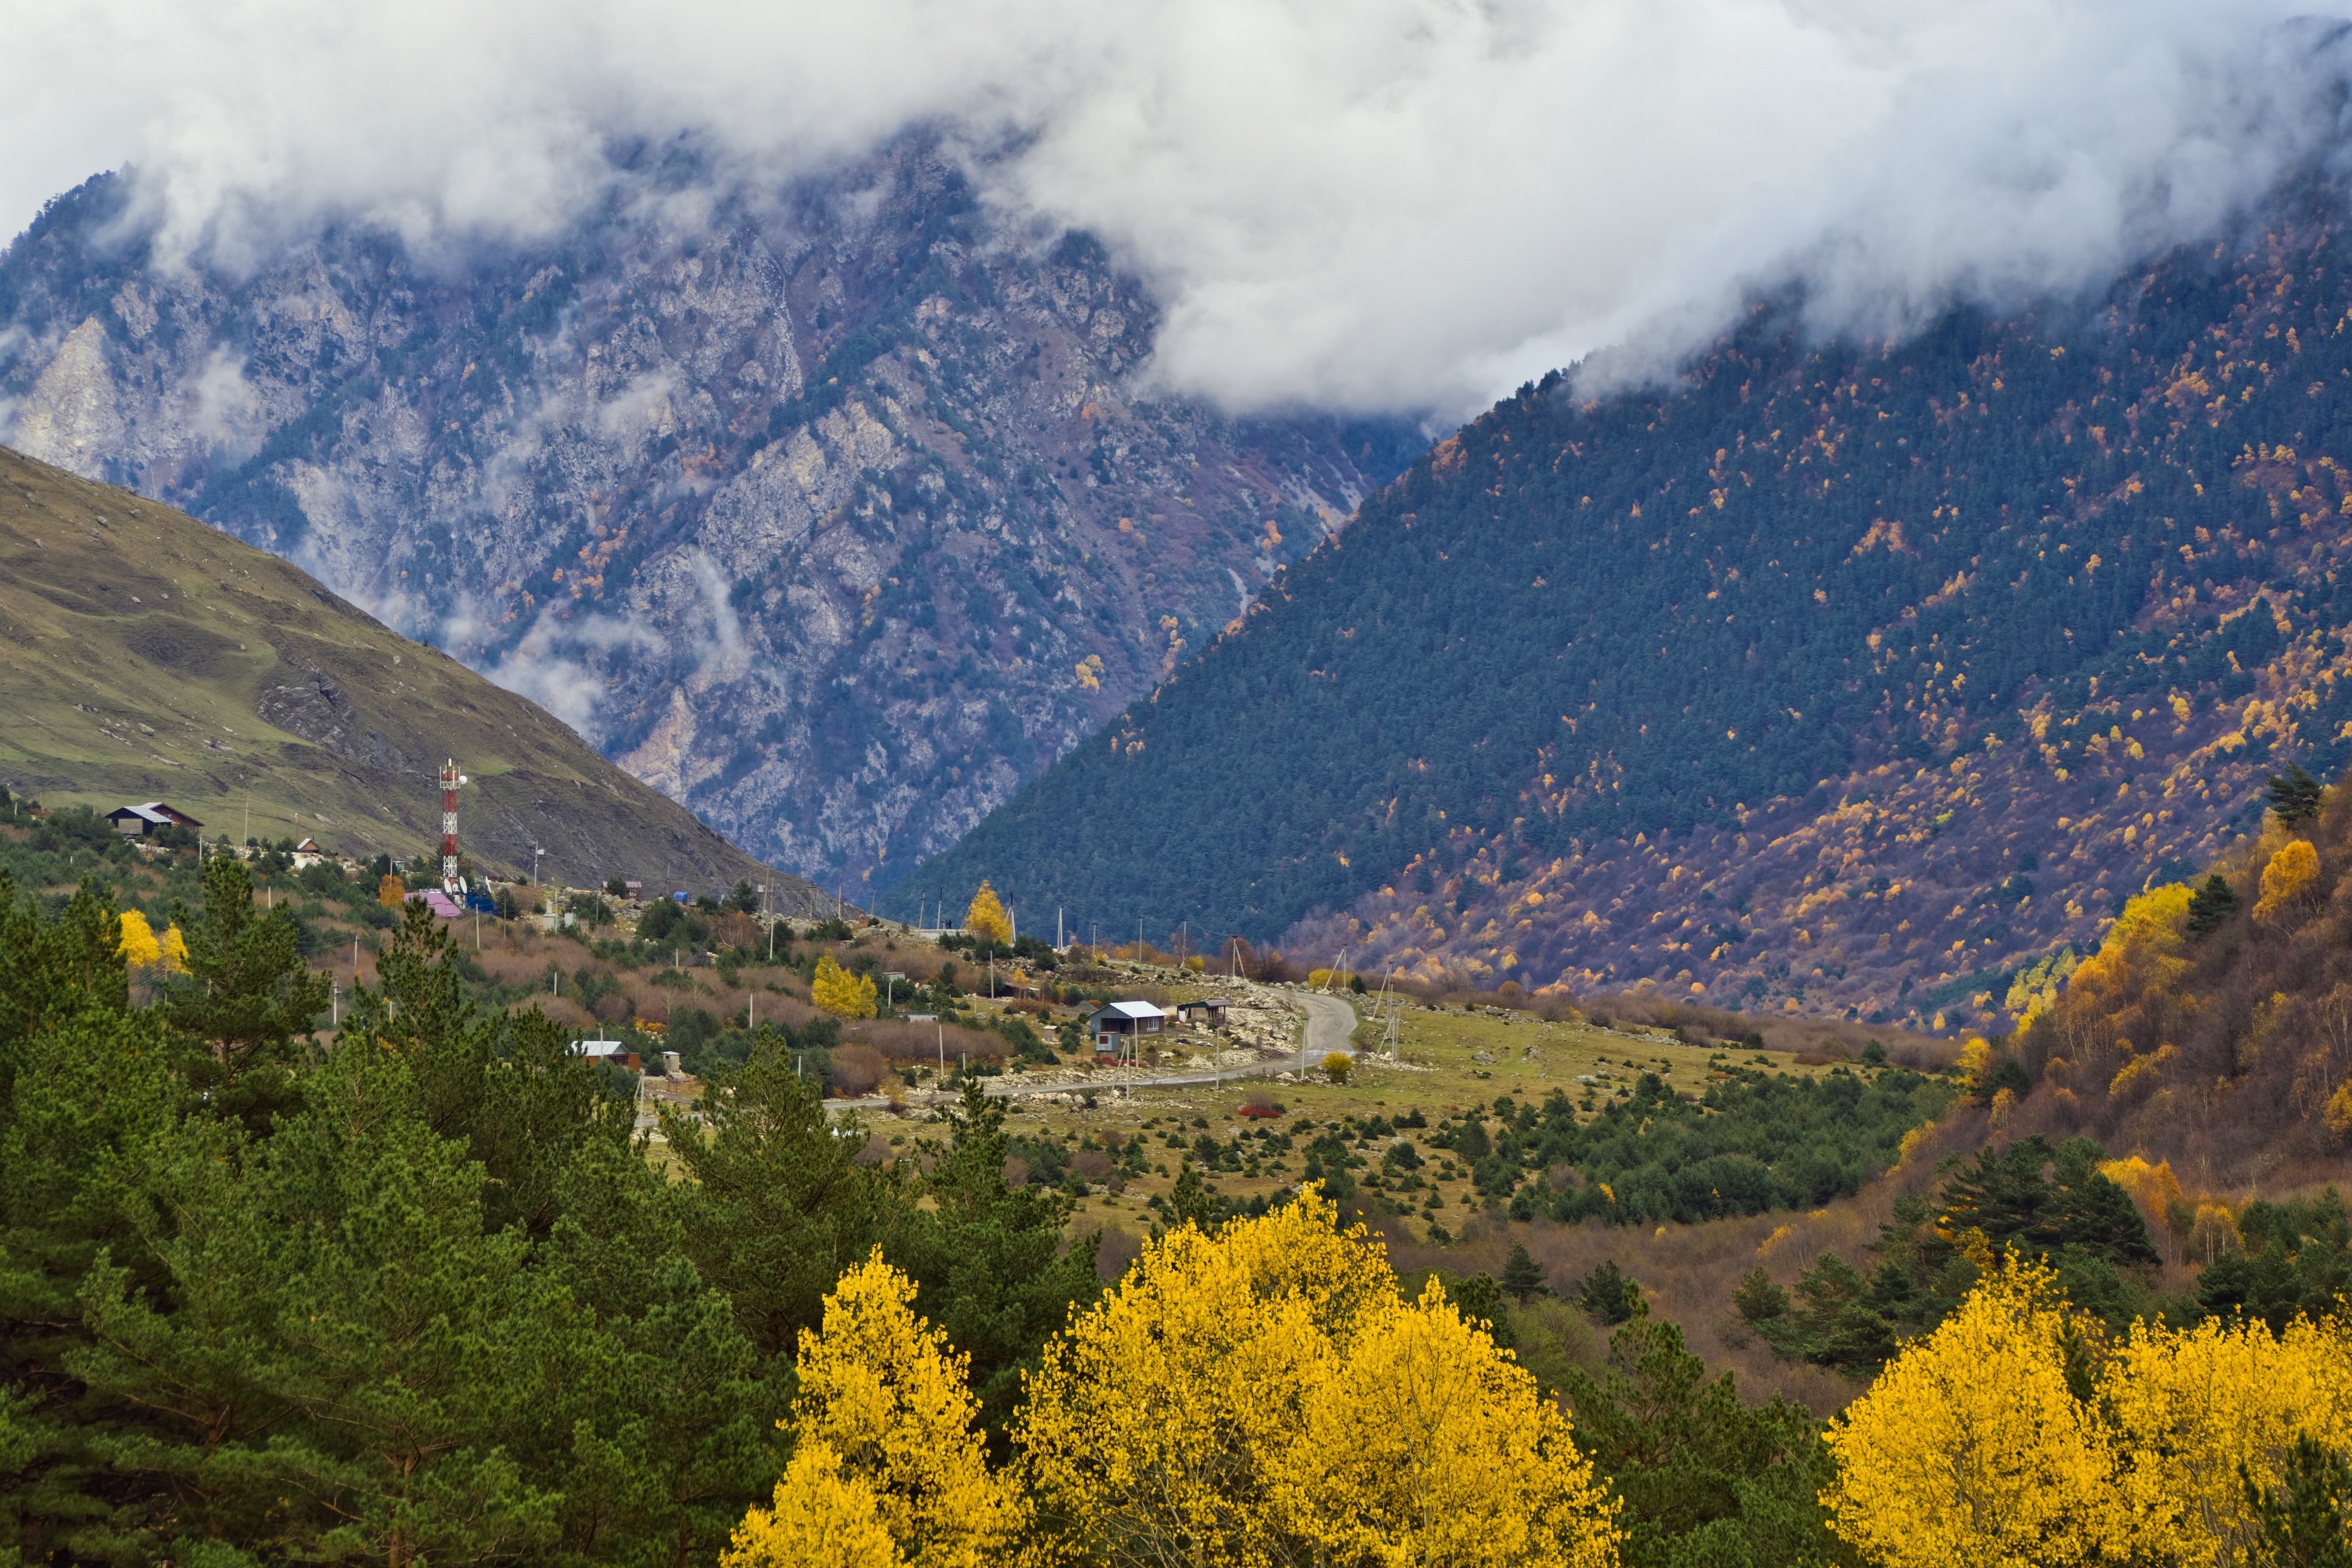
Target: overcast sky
1407	204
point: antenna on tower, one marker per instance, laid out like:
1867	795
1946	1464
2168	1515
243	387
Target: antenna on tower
451	883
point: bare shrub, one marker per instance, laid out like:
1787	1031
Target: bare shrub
900	1042
565	1011
1091	1164
1016	1171
614	1009
856	1069
1115	1254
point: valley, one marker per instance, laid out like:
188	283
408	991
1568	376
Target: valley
1740	955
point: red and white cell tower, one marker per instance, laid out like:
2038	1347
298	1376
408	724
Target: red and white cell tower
450	779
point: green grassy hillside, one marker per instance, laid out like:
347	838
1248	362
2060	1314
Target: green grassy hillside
145	656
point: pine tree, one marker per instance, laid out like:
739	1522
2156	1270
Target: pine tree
2210	905
995	1272
2306	1520
2295	798
1607	1293
1522	1275
254	996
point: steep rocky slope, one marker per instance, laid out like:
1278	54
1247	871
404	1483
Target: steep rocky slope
832	513
1863	680
144	655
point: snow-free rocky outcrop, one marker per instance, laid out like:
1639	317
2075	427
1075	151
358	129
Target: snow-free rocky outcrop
832	512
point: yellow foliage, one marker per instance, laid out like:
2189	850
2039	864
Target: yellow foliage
2190	1408
986	917
1264	1396
1976	1060
2290	873
2340	1111
2143	1073
1970	1450
2154	1186
1337	1066
138	944
175	951
1428	1445
1155	1415
391	891
885	1447
841	993
822	1519
2212	1230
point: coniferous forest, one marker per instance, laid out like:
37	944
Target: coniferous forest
1965	636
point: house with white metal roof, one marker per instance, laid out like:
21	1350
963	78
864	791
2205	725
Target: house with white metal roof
142	822
1114	1021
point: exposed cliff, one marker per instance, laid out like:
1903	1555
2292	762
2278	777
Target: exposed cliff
833	513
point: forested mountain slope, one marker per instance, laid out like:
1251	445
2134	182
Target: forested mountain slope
144	655
828	511
1852	678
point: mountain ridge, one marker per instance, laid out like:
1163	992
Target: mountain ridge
1861	671
833	510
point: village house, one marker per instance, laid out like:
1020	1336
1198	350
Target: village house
1114	1023
1209	1014
143	821
609	1052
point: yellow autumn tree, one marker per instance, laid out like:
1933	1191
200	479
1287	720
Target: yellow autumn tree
986	916
1428	1445
391	891
841	993
1263	1396
138	944
2287	878
1970	1448
822	1519
175	951
2193	1407
887	1465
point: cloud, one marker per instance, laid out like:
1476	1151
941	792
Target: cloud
547	665
1391	204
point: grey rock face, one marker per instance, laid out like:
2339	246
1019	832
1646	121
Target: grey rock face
834	514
